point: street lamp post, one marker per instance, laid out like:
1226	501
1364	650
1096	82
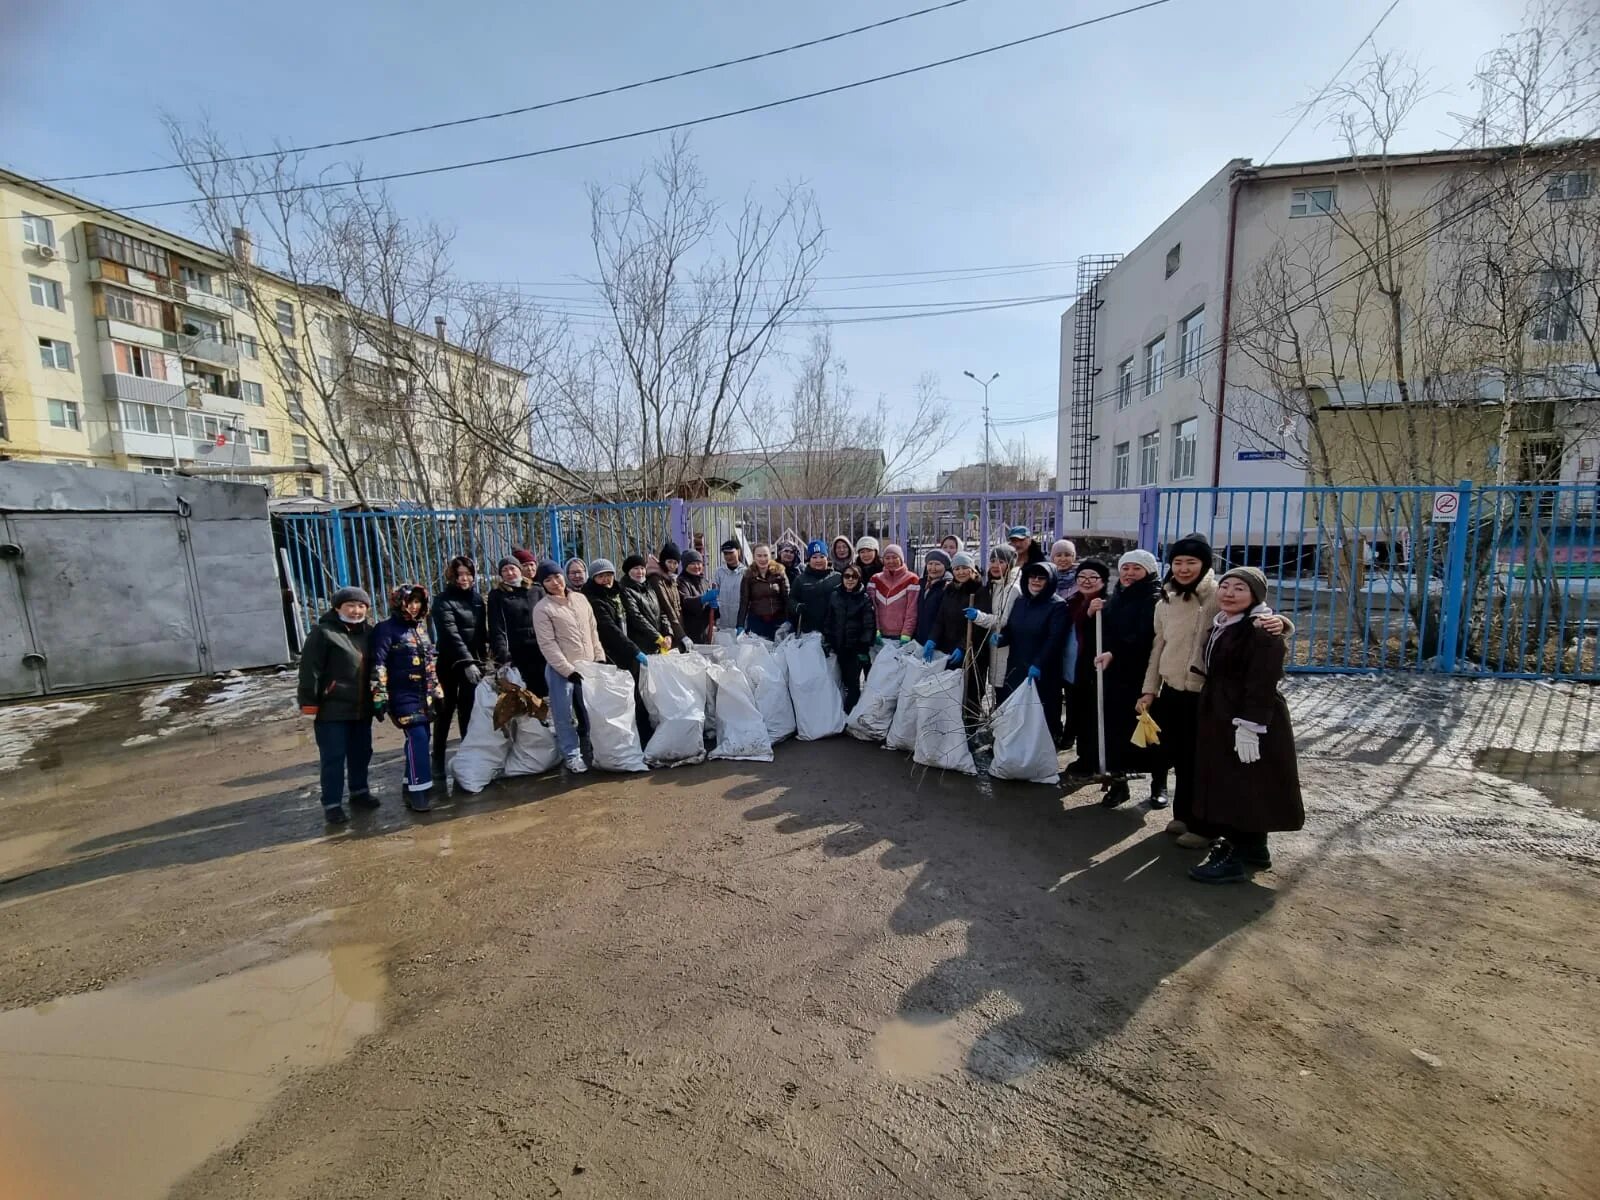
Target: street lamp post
984	384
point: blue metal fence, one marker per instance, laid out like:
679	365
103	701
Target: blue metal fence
1374	578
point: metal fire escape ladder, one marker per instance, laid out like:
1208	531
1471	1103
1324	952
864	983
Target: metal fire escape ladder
1092	268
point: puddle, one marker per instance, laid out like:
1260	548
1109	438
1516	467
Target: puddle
123	1092
1571	778
924	1046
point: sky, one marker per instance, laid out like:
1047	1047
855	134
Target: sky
1076	144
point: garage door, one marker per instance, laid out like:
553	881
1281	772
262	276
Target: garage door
17	677
109	596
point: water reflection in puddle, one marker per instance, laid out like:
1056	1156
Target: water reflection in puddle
922	1046
123	1092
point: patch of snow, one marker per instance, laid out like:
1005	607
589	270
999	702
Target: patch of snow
140	739
154	706
22	726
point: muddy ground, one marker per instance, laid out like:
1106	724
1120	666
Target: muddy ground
829	976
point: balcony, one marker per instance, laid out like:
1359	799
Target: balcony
112	329
144	391
190	444
205	349
220	305
136	443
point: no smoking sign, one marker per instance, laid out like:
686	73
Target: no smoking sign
1446	506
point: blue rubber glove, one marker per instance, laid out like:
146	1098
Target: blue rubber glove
927	651
994	638
970	614
739	629
1033	672
709	597
955	657
641	659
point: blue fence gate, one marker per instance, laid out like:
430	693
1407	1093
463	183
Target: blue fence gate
1500	581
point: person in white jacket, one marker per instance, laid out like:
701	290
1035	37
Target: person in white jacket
1004	587
564	625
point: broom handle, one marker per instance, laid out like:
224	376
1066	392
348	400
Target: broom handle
1100	693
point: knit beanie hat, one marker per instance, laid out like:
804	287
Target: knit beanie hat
526	557
601	566
893	549
572	562
670	550
1005	554
963	560
866	543
815	548
1253	578
1095	567
546	570
1063	546
730	544
632	561
1140	558
937	556
693	556
507	562
1190	545
348	595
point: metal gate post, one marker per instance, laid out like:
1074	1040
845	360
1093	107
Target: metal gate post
899	526
341	553
678	524
1455	579
555	535
1150	520
1061	515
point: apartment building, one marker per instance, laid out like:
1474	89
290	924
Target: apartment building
1178	364
124	346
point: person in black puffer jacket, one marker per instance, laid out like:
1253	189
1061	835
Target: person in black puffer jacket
611	621
967	590
1128	627
809	591
335	678
699	618
849	627
1036	632
461	632
648	628
511	636
935	579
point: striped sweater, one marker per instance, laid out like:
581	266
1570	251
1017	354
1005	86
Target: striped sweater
894	601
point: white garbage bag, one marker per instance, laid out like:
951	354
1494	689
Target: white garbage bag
613	732
1023	747
902	734
481	757
818	706
941	733
674	689
741	731
759	661
869	719
719	652
725	637
533	743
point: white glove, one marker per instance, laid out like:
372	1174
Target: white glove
1246	744
688	646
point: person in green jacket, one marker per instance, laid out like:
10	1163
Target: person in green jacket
335	688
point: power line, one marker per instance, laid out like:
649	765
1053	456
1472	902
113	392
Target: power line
418	172
949	274
1306	111
515	112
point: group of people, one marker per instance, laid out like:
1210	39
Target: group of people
1202	655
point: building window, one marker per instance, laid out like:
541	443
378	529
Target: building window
140	418
1553	317
196	326
209	381
1313	202
139	360
325	365
1191	334
1174	257
289	366
1125	383
38	231
152	469
299	447
1149	457
57	355
1119	465
195	279
46	293
1569	185
285	317
259	441
129	251
208	427
238	296
248	346
303	486
134	309
1155	363
64	414
296	410
1185	443
251	393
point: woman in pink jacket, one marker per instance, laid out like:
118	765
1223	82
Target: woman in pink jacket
894	593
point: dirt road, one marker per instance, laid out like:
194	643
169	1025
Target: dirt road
825	977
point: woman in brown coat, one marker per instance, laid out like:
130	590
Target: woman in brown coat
1247	779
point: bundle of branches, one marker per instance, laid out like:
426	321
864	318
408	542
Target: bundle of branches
516	702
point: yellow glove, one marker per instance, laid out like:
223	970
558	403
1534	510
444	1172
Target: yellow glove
1146	732
663	644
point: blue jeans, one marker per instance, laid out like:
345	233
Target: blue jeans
762	627
345	747
567	715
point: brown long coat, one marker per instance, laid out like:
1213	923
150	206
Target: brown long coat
1263	797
